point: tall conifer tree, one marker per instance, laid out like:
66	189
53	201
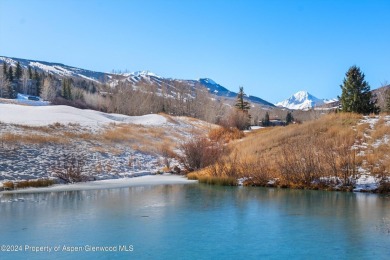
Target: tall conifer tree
243	107
69	90
5	71
37	79
64	89
10	74
18	71
266	121
241	104
289	118
30	74
356	96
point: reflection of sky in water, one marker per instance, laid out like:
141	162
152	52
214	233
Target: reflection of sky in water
179	221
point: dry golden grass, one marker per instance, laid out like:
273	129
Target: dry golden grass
132	133
377	160
82	135
381	129
9	185
296	155
212	180
377	156
44	129
330	126
363	127
225	134
140	138
32	139
166	149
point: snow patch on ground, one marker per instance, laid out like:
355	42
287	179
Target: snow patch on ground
253	128
241	181
372	121
26	100
379	142
110	184
366	182
47	115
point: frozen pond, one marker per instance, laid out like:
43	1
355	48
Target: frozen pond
193	221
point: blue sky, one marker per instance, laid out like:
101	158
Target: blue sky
271	48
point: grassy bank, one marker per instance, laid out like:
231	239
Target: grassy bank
213	180
13	185
329	153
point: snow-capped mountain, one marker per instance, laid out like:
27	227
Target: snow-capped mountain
134	78
301	100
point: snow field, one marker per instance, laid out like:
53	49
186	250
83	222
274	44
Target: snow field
84	134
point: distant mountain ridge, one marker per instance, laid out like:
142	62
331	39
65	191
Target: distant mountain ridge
219	90
302	100
55	68
134	78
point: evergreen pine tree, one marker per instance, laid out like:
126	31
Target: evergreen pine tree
289	118
64	89
10	74
241	104
243	107
30	74
5	72
18	71
266	121
37	79
69	90
356	96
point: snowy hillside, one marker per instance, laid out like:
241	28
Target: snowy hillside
56	69
143	73
36	139
136	79
301	100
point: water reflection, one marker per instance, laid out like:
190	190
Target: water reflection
187	221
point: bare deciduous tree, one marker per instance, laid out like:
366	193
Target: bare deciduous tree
48	91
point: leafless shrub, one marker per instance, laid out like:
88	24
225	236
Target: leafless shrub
70	168
236	119
167	154
300	163
200	152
